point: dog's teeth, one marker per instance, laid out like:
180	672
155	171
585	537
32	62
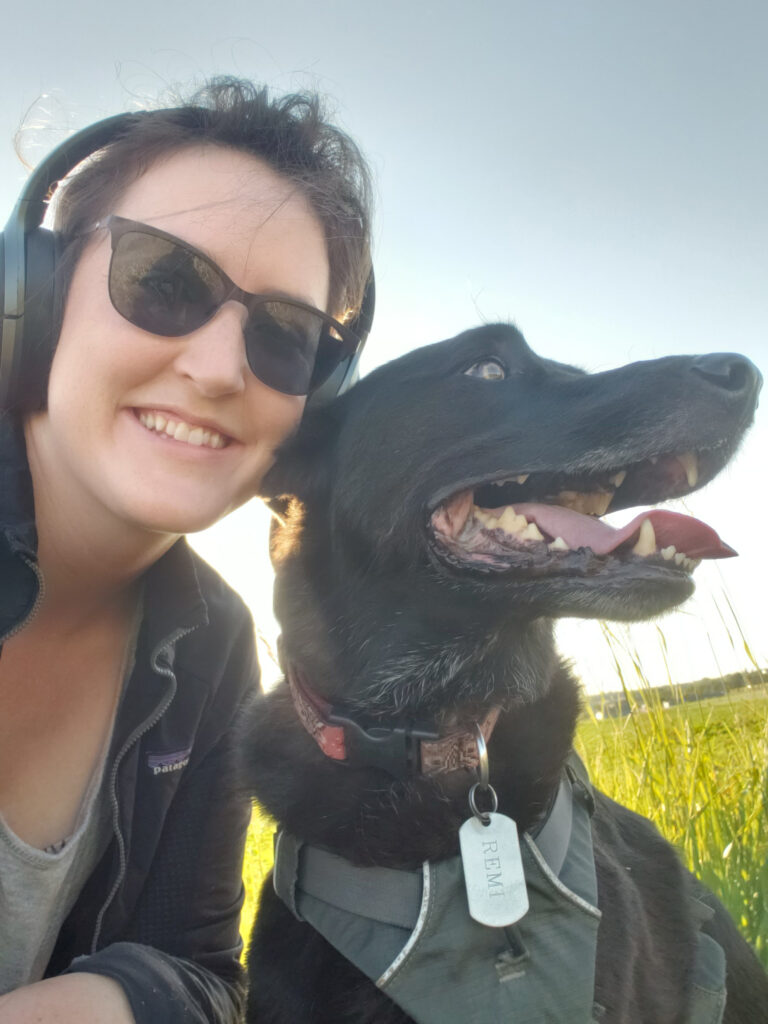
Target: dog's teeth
669	553
646	542
558	544
690	463
511	522
507	520
600	503
519	479
679	558
592	504
532	532
618	478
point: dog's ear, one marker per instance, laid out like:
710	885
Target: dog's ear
303	465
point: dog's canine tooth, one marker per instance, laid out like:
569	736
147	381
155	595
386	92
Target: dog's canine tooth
521	478
646	542
690	463
618	478
600	503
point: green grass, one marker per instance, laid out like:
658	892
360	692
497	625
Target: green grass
699	771
258	861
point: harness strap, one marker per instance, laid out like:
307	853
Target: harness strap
383	894
554	835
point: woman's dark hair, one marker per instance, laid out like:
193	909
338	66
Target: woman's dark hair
290	133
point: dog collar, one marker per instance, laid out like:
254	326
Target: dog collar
405	749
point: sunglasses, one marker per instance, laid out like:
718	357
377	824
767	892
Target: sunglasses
167	287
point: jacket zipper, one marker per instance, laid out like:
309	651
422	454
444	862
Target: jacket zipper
135	736
32	564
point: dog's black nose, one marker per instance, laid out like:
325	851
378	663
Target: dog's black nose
729	372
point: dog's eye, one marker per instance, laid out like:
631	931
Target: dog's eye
488	369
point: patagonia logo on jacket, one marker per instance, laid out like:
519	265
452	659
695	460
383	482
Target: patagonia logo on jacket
161	764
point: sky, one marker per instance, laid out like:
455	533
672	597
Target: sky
594	171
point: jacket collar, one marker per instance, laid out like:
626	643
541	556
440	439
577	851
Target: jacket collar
17	506
173	600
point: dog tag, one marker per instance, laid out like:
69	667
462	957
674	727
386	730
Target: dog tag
493	870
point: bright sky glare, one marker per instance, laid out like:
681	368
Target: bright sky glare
595	172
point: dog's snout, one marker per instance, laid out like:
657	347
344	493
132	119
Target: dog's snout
729	372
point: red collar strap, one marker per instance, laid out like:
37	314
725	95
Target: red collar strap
402	750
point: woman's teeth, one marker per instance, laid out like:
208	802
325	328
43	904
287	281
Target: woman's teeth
181	431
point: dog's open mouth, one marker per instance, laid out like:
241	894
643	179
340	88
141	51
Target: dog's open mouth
542	521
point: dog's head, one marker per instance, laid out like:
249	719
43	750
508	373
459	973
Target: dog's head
472	475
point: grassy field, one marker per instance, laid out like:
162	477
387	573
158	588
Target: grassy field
698	770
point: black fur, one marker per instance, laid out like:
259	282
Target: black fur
384	622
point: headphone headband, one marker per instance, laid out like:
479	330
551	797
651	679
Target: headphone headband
28	259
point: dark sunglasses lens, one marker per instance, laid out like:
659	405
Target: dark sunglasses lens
162	287
287	346
165	288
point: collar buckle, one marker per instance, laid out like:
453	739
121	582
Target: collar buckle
395	749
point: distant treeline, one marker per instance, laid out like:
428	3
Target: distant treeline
620	703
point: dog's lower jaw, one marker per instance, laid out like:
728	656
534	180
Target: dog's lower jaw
631	596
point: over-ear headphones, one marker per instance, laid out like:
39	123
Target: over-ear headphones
28	254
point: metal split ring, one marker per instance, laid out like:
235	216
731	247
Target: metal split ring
483	816
483	774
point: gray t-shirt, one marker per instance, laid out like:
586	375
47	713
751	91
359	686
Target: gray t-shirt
38	888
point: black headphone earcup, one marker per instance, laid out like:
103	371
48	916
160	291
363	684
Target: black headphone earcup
39	327
29	305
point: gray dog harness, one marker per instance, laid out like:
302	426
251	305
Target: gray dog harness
410	931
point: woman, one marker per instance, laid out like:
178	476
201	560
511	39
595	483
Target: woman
124	657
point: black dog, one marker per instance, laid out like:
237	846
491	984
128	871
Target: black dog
413	606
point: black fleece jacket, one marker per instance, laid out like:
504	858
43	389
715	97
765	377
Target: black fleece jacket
160	912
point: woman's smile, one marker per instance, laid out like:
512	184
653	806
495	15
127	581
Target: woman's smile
182	428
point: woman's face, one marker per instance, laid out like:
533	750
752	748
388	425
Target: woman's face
113	384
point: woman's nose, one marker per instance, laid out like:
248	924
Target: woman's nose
213	356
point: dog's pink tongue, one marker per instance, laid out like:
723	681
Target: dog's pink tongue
689	535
